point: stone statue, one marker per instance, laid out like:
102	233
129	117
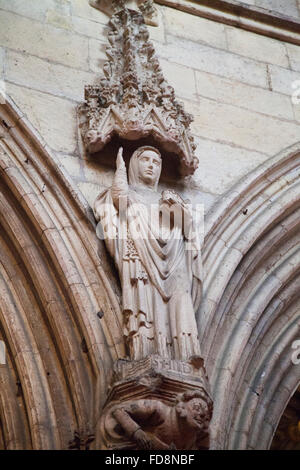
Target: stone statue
153	424
155	245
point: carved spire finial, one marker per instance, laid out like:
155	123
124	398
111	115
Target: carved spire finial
133	100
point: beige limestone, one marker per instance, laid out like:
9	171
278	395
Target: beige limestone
244	96
97	55
158	33
39	74
84	10
219	62
294	56
36	9
256	47
224	163
247	129
90	191
193	28
49	115
45	41
2	60
297	110
156	282
282	79
96	173
134	100
72	165
182	79
221	165
89	28
58	20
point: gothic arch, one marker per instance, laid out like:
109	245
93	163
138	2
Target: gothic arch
52	285
250	314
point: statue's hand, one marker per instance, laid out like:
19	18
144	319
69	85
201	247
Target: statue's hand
142	440
120	160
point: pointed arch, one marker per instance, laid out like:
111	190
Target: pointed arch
52	284
250	312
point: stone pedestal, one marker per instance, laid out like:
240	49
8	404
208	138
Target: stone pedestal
167	400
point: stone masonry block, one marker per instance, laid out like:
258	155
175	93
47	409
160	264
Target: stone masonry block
194	28
218	62
45	76
244	96
283	79
243	128
49	115
45	41
257	47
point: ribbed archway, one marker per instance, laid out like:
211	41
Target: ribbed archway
250	314
53	285
59	316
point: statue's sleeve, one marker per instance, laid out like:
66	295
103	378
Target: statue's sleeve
107	214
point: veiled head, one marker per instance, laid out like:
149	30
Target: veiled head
145	167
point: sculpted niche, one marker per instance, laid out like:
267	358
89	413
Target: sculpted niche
158	395
154	241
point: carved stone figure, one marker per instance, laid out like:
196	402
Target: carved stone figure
155	245
154	424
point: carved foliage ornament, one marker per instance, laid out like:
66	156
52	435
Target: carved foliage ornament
134	100
146	7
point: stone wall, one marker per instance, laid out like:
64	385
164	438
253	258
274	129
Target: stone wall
285	7
237	84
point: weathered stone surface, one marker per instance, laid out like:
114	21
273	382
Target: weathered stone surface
133	100
158	33
297	109
72	164
257	47
294	56
194	29
84	10
97	173
89	28
244	96
45	76
146	7
247	129
282	79
223	164
158	404
58	20
45	41
97	56
90	191
182	79
208	59
2	60
49	115
284	7
35	9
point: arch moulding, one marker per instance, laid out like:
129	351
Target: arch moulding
59	313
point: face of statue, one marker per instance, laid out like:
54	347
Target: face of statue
197	413
149	167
